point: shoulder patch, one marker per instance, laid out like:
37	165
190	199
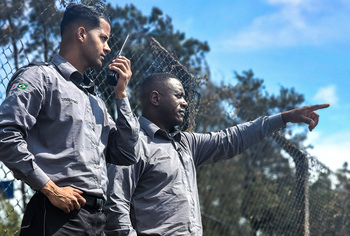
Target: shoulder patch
19	86
23	86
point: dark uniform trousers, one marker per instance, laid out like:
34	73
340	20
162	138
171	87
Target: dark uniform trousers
43	218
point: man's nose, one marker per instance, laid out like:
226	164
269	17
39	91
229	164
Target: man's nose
106	48
184	103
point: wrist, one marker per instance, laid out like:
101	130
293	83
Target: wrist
285	118
49	188
120	95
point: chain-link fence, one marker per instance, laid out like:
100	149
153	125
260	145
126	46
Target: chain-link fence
273	188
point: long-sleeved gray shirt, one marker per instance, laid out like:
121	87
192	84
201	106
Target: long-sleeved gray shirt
158	195
53	126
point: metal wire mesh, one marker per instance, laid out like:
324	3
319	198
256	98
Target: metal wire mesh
238	196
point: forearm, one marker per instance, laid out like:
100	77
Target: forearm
124	141
229	142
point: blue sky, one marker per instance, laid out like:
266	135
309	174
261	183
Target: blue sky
303	44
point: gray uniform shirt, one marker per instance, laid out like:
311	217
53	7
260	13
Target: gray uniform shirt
158	195
52	126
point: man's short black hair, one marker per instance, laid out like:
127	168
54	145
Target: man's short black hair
88	15
152	81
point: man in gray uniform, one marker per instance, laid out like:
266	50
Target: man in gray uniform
56	134
158	195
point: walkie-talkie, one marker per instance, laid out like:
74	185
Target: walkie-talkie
113	76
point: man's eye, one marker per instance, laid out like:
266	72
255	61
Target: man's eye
179	96
104	38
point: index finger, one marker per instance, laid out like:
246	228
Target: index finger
77	190
121	60
319	106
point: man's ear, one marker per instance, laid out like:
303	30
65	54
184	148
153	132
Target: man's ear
81	34
155	98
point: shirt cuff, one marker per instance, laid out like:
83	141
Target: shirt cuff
37	179
123	105
276	122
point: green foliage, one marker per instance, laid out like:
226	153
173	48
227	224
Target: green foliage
13	27
261	194
329	204
129	20
9	220
44	21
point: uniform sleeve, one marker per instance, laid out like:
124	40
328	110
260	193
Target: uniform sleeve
18	114
225	144
122	184
123	142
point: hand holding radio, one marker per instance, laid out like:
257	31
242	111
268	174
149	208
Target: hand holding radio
113	76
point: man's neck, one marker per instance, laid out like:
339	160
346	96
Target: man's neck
73	59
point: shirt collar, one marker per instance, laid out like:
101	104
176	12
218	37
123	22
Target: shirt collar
69	72
64	67
152	129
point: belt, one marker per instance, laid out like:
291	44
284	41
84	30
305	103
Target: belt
94	202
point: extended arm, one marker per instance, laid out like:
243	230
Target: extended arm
227	143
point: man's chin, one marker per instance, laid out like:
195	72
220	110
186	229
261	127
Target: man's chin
180	121
96	66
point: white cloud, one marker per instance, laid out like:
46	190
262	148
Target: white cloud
327	95
331	149
294	22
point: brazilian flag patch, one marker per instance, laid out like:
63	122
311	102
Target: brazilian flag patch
20	86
